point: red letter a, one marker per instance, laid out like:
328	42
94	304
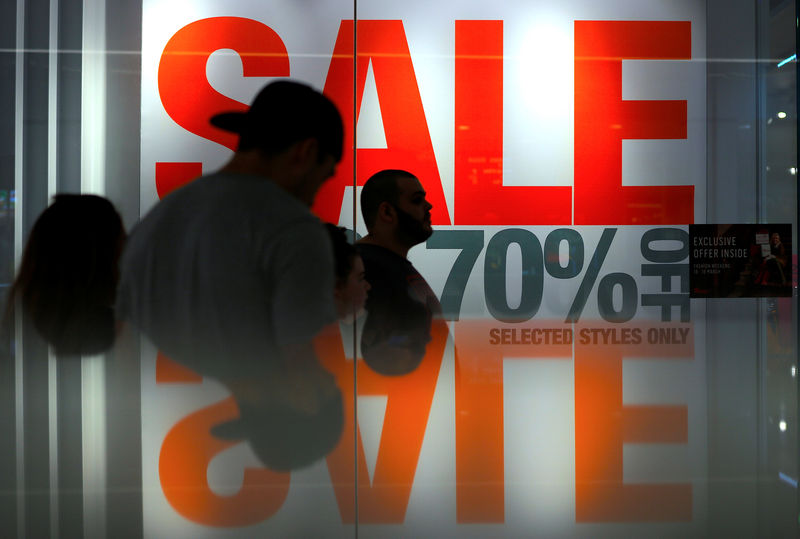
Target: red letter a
407	139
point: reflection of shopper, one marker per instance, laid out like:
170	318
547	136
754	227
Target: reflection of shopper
233	276
401	305
68	276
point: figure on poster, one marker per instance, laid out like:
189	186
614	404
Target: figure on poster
774	270
67	279
232	275
777	260
401	306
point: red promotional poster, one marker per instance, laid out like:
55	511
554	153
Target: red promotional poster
563	149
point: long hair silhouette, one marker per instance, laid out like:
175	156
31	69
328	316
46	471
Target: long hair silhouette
68	276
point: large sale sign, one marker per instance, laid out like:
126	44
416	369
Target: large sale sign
562	146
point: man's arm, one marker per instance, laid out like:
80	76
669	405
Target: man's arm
303	274
307	384
301	277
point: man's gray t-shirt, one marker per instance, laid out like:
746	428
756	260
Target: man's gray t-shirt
225	271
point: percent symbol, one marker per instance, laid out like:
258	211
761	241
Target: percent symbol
535	261
589	278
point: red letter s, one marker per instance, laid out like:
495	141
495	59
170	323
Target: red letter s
187	96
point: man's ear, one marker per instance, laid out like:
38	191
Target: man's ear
305	152
387	213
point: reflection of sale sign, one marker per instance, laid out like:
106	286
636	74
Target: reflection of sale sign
564	154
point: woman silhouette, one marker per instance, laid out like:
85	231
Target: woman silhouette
68	276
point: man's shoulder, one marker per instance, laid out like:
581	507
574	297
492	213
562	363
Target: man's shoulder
384	267
231	198
235	185
377	254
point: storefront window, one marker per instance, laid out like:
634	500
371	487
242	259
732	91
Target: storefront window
614	212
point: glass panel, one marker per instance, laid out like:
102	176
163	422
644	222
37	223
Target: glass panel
8	468
779	463
569	392
198	60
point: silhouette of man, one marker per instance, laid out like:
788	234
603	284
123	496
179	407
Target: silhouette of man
233	276
400	306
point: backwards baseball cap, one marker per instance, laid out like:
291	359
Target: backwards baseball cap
285	112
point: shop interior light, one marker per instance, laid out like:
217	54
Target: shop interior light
787	60
793	171
782	425
781	115
794	371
